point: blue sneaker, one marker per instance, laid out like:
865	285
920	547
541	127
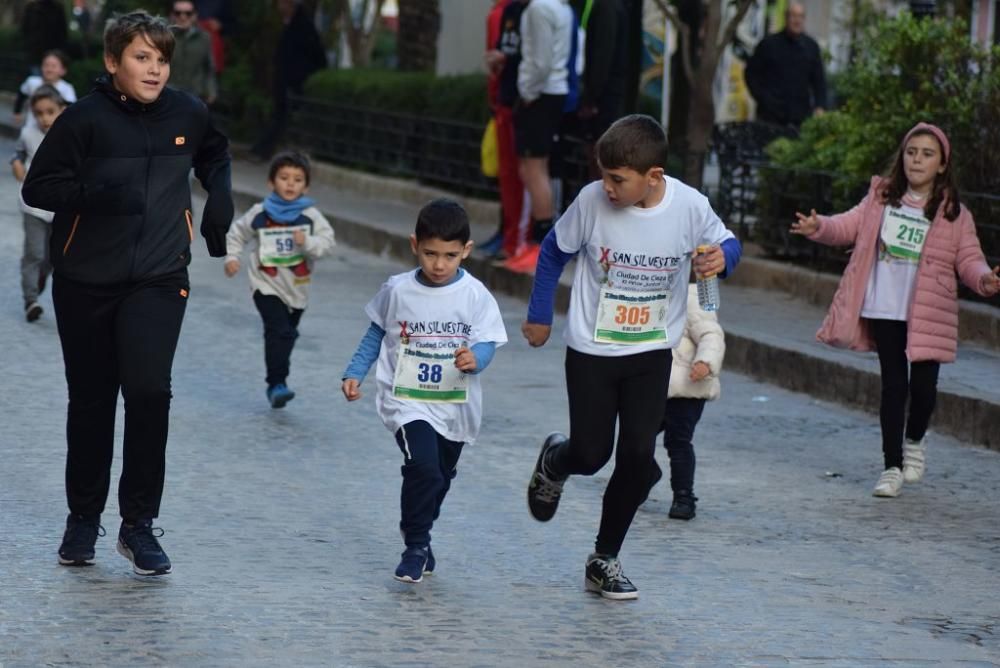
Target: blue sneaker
431	563
279	395
492	245
411	566
82	532
138	544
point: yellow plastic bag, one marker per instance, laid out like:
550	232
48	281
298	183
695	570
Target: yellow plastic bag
489	153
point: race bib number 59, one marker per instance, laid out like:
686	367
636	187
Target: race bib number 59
277	246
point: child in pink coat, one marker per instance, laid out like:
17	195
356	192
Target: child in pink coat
898	295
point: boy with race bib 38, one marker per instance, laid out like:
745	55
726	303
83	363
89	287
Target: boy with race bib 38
634	234
898	295
286	234
433	331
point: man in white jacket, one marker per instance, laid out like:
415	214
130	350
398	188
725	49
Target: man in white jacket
542	85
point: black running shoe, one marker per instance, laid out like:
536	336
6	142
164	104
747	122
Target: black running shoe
78	541
604	576
544	491
412	565
138	544
683	506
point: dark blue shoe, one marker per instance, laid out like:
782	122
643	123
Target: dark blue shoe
431	563
279	395
411	566
77	548
492	245
138	544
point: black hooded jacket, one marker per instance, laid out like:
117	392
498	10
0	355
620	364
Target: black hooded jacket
115	172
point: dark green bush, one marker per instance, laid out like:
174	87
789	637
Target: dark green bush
461	98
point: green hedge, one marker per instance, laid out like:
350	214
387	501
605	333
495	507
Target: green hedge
461	98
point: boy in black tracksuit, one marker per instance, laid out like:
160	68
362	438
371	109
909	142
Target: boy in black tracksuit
114	169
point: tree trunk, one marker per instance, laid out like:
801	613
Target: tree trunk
416	42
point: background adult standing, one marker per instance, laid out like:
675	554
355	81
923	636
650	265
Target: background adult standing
785	74
43	28
299	53
192	67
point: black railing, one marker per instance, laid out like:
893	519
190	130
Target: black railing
13	70
437	152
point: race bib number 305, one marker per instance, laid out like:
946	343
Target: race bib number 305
631	317
277	246
426	376
904	234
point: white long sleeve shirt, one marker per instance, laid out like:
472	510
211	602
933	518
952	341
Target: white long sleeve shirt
546	36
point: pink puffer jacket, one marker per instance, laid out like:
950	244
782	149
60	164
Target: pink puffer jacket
932	325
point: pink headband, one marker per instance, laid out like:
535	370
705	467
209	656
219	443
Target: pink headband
938	134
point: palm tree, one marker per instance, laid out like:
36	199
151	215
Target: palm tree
416	43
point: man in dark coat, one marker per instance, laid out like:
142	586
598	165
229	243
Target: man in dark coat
785	74
299	53
44	28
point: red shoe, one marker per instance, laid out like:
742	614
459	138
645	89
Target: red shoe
525	261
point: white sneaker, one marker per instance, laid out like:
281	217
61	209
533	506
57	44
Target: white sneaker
889	483
914	459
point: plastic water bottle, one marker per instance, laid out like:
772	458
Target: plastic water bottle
708	287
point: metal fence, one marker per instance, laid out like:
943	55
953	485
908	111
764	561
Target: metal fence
13	69
760	199
438	152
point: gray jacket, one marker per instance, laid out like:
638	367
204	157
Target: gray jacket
192	68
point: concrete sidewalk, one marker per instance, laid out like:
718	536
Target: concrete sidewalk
770	332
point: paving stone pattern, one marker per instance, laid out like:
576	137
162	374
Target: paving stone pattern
282	525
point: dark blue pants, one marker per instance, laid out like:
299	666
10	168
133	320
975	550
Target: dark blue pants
679	420
281	328
429	465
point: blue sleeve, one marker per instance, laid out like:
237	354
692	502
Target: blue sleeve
366	354
551	261
483	351
732	249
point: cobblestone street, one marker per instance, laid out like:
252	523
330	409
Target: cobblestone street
282	524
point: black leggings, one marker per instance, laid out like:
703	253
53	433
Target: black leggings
918	383
120	337
629	390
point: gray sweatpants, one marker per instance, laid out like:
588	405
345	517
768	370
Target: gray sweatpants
35	266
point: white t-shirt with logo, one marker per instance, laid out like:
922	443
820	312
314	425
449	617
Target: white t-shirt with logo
894	274
630	287
432	322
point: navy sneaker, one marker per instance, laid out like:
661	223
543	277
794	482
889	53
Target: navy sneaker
77	548
604	576
412	565
431	563
544	490
279	395
683	507
138	544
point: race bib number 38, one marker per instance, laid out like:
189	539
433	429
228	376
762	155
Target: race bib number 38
631	317
904	234
277	246
426	376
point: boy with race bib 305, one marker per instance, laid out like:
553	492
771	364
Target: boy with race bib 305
286	234
433	331
634	234
899	295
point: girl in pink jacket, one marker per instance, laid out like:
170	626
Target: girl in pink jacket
898	295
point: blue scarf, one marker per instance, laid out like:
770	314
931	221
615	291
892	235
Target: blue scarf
282	211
